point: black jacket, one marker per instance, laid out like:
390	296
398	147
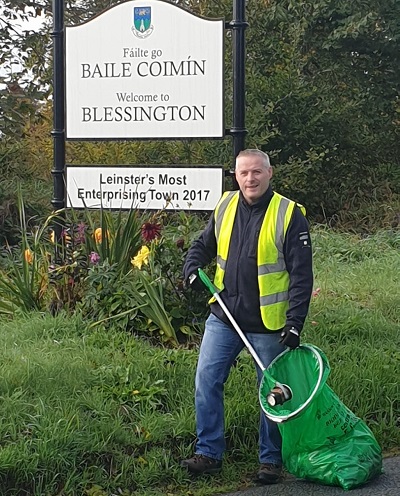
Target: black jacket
241	291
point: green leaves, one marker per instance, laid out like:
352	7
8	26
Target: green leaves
319	88
23	285
139	288
147	291
119	238
115	299
89	270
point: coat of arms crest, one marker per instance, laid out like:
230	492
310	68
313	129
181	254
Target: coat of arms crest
142	27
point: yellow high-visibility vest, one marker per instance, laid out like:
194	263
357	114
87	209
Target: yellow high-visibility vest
273	278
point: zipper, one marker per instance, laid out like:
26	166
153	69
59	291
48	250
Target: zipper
242	241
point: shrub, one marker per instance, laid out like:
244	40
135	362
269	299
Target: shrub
120	269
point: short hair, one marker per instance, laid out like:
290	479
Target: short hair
258	153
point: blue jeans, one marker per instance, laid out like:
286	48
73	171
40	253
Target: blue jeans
220	346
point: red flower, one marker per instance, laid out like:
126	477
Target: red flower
150	231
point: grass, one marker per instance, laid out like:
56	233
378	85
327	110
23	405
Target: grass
89	412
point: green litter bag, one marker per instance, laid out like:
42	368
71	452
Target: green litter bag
322	440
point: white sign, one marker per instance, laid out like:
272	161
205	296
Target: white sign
145	69
154	188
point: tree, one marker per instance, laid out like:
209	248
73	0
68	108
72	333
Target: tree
23	64
323	85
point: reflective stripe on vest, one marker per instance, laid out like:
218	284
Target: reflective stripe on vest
225	213
273	278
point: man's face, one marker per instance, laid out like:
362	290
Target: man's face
253	177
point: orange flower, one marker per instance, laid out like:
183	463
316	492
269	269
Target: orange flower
28	256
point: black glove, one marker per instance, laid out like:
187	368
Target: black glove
290	337
194	282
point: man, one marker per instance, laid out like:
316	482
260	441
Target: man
264	273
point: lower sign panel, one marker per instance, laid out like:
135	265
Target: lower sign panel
140	187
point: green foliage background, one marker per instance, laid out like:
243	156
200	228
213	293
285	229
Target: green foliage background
322	85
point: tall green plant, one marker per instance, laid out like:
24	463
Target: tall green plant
115	237
117	299
150	297
91	238
148	293
24	282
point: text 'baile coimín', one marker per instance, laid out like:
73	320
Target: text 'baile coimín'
145	71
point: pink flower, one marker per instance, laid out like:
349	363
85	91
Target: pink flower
80	233
94	258
316	292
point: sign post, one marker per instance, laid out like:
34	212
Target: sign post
238	129
58	134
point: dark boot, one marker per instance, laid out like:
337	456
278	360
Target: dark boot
269	473
200	464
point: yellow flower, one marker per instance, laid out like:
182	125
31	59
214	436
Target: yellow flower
98	235
28	256
141	258
66	237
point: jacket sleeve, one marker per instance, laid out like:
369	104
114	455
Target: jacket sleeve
202	251
298	258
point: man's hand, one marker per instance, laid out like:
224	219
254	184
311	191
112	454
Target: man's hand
194	282
290	337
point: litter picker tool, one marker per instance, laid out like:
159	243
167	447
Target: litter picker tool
279	393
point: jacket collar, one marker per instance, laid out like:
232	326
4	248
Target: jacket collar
261	203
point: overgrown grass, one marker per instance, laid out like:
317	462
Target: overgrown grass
92	412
